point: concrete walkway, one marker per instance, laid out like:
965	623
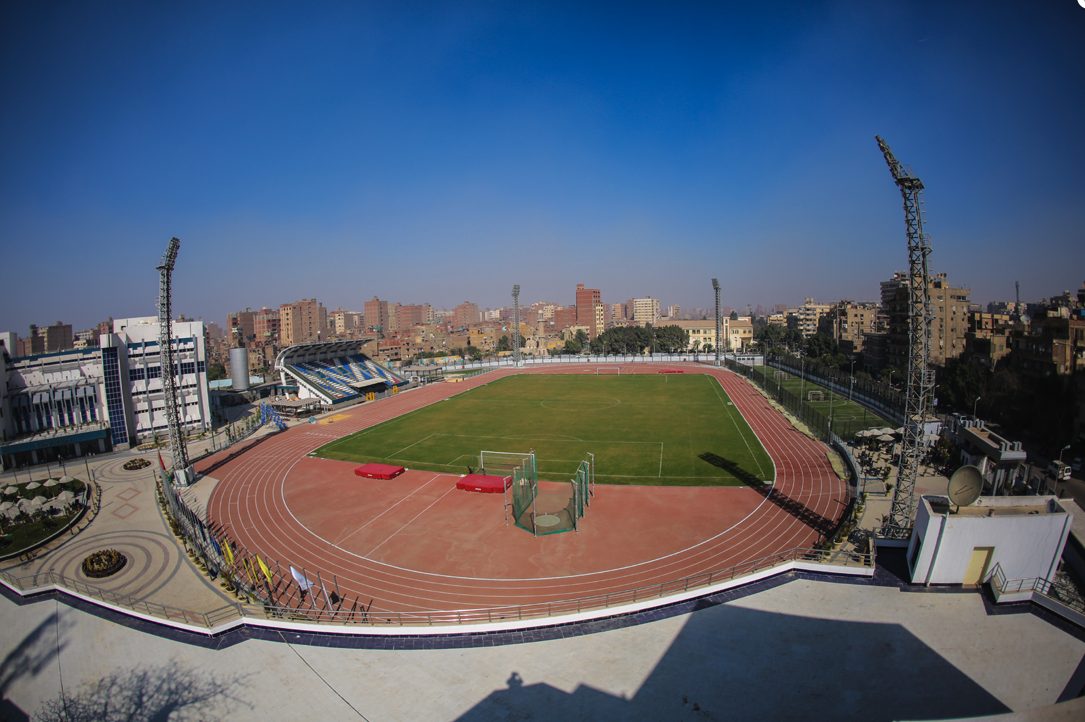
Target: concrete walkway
802	650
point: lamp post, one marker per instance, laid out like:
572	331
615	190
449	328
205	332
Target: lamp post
974	406
851	396
1061	452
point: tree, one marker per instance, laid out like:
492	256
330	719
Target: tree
573	346
475	353
503	344
734	315
581	337
709	348
215	372
821	344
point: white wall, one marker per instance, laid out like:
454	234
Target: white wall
1026	546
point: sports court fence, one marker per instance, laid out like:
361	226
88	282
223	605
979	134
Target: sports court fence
886	400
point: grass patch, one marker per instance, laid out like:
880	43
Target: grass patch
849	417
663	430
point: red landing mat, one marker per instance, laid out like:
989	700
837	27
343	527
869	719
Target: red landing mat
379	471
484	483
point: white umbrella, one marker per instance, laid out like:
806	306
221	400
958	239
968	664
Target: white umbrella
885	437
11	490
66	496
33	485
51	483
66	480
6	505
37	501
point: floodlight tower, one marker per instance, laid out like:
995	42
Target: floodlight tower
182	469
919	392
716	347
516	325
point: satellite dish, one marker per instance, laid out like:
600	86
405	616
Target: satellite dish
965	485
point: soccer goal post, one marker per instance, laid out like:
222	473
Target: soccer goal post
608	370
779	375
815	396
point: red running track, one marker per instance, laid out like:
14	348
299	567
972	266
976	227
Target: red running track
415	543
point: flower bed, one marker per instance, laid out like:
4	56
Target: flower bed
136	464
104	563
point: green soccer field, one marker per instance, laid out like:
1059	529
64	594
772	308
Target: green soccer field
849	417
664	430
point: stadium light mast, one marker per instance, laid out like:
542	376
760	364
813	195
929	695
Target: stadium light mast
178	448
919	383
716	347
516	325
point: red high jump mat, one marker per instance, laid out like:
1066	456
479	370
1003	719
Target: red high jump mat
484	483
379	471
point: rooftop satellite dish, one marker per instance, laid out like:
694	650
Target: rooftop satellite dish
965	485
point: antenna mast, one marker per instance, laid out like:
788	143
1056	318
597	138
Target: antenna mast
919	381
182	469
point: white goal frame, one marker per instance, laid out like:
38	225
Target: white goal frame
608	368
810	395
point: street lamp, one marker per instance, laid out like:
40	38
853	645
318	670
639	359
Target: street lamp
851	396
974	406
1060	452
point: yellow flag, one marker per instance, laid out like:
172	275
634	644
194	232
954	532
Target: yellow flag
248	570
263	568
228	552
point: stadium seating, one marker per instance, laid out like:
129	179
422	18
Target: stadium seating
336	378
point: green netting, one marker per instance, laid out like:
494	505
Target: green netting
525	487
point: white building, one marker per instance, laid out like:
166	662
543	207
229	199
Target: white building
1023	535
86	401
646	310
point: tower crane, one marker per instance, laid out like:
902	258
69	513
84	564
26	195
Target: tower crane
919	380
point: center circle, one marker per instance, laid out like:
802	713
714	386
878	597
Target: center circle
581	403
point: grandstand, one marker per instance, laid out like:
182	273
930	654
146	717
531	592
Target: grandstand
335	372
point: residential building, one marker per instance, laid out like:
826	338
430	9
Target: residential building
674	311
241	325
989	337
848	322
33	344
949	309
646	310
587	315
805	318
739	333
416	315
376	316
304	321
465	314
267	328
702	332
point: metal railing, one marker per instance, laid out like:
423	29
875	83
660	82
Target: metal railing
43	581
1064	594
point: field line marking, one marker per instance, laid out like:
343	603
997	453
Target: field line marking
739	430
660	460
392	456
378	516
442	496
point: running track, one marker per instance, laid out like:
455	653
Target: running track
249	503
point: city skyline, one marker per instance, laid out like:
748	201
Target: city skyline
444	154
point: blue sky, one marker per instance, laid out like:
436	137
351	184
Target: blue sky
429	152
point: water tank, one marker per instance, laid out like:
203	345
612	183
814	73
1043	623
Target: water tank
239	368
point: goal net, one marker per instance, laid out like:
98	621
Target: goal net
815	396
608	371
501	463
779	375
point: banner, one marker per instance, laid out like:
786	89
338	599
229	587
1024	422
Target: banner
263	568
302	582
228	552
160	462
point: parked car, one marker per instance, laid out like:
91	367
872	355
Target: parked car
1077	464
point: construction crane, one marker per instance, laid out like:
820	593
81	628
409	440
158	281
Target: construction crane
182	469
919	381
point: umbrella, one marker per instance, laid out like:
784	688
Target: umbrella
37	501
33	485
885	437
51	483
6	505
11	490
66	496
66	480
